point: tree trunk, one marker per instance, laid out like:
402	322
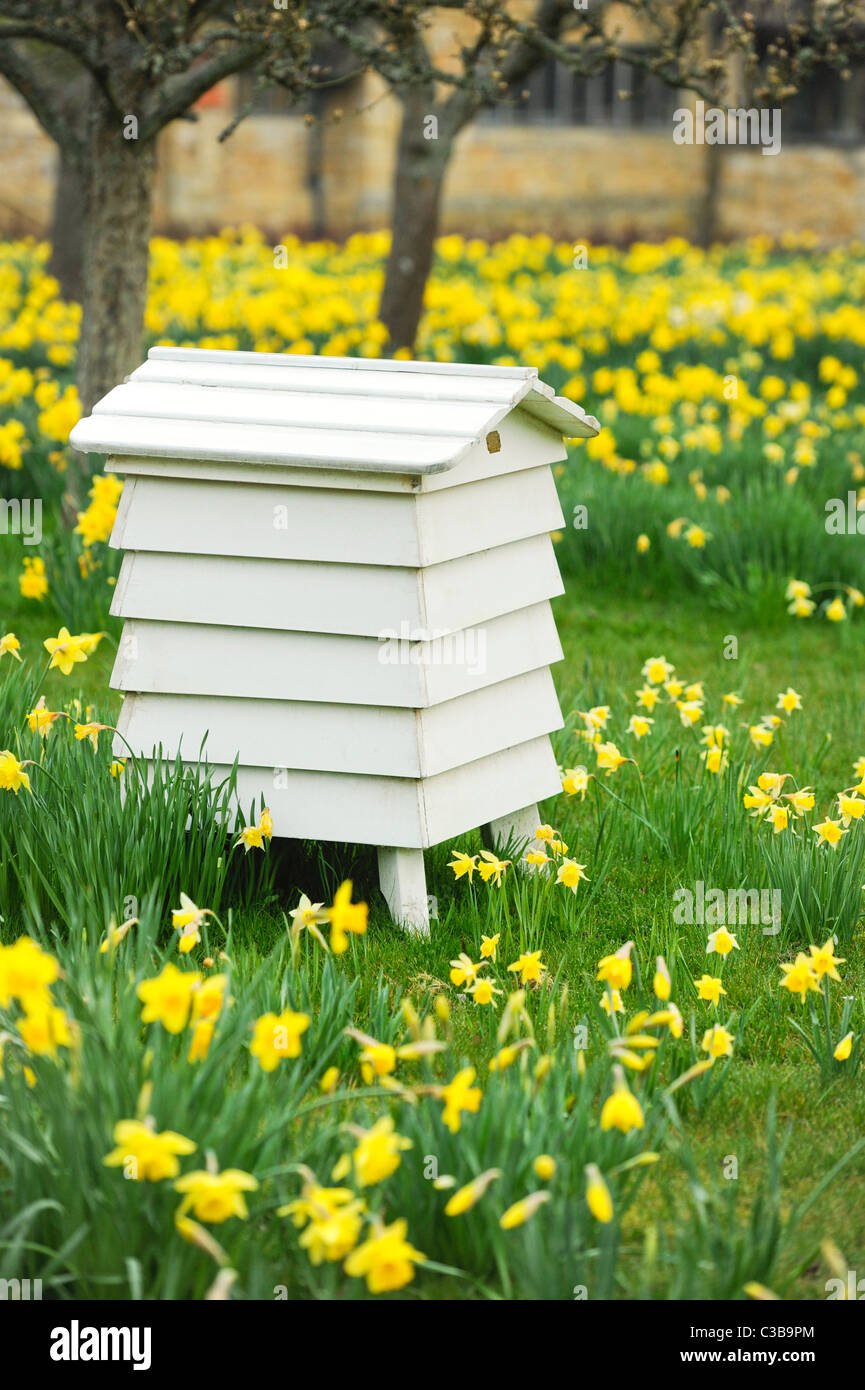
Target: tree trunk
421	165
67	227
315	167
706	229
118	180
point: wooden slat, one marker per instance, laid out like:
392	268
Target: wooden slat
275	733
525	443
398	811
477	793
475	588
477	516
185	658
563	416
303	410
185	517
342	738
375	365
253	443
354	600
488	721
316	377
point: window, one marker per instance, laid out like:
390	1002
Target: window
619	96
826	109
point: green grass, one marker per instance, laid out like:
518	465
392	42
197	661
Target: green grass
606	635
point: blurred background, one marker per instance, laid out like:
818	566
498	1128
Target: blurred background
564	153
479	181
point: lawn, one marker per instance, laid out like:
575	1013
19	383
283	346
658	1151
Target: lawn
599	1156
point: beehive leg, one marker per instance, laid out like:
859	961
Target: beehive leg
515	827
403	883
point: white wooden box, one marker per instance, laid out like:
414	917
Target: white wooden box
338	571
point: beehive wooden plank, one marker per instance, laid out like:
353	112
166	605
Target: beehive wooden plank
487	721
179	516
474	588
297	734
355	600
182	516
524	443
477	516
335	806
313	375
476	793
384	366
303	410
400	812
190	659
255	443
342	738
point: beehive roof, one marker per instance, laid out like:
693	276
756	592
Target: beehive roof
329	412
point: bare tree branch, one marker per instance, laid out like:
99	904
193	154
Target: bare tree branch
37	91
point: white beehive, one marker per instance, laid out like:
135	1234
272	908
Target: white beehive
339	571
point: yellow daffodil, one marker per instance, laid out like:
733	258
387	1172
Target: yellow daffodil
570	874
598	1198
789	701
829	832
466	1197
528	965
65	650
718	1042
824	961
215	1197
12	774
378	1152
721	942
800	977
277	1036
844	1048
144	1155
9	643
386	1260
523	1210
345	918
460	1095
621	1110
463	864
167	998
491	867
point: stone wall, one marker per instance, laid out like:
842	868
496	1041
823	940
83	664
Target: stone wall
572	182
